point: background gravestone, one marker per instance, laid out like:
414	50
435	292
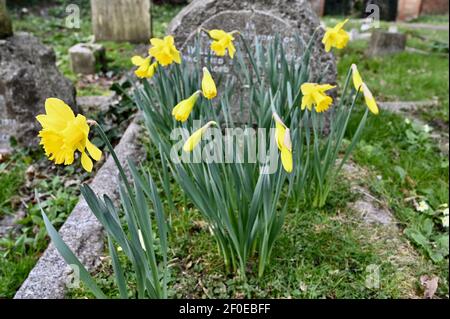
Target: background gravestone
28	76
5	21
382	43
87	58
261	18
121	20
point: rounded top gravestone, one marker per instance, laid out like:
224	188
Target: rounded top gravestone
263	19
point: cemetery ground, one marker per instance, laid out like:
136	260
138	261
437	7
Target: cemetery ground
397	167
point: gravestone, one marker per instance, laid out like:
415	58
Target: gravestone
5	21
87	58
121	20
28	76
263	19
382	43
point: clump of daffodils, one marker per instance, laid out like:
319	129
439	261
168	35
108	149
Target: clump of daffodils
244	226
183	109
63	134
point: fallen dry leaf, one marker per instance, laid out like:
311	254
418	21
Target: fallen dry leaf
430	285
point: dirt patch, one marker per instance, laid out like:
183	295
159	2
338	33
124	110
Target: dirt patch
378	227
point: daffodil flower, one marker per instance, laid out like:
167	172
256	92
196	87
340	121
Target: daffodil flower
223	41
283	138
336	37
209	88
146	69
63	134
164	51
360	85
314	94
183	109
196	137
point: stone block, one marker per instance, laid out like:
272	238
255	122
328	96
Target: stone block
382	43
87	58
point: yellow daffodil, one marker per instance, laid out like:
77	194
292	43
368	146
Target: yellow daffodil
314	94
336	37
146	69
164	51
223	41
183	109
283	138
208	86
62	134
360	85
196	137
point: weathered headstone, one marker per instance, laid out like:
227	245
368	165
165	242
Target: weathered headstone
263	19
5	21
258	21
121	20
28	76
382	43
87	58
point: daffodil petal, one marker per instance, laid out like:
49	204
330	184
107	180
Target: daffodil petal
93	150
86	162
58	108
357	80
137	60
370	100
286	159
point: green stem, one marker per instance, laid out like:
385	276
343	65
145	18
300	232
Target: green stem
116	160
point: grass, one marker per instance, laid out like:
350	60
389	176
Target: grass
321	253
162	15
407	167
12	176
432	19
406	164
20	249
402	77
